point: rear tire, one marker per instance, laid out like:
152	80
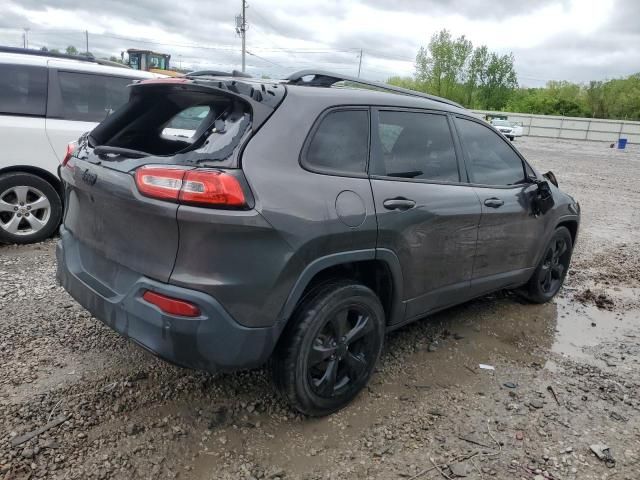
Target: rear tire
30	208
330	348
550	273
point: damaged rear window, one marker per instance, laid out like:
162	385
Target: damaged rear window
193	126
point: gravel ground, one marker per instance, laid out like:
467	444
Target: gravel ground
566	377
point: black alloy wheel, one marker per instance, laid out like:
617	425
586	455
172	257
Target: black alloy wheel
342	350
554	265
550	273
330	347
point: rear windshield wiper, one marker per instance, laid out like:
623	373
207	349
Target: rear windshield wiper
125	152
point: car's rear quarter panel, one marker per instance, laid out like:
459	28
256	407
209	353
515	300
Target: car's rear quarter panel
251	260
239	259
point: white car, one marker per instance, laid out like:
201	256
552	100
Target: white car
46	102
507	128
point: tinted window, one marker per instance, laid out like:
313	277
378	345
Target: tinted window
341	143
23	89
416	145
91	98
490	159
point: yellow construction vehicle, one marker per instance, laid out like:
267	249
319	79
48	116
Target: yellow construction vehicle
151	61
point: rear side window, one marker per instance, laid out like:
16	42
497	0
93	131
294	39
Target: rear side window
91	98
341	143
416	145
23	89
490	160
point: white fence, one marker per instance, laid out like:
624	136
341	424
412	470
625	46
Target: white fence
573	128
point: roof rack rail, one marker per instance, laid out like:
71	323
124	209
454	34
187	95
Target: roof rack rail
81	57
42	53
217	73
321	78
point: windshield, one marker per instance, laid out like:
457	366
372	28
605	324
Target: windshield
501	123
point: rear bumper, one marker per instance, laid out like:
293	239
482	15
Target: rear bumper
213	341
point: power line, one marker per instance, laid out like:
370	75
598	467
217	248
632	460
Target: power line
264	59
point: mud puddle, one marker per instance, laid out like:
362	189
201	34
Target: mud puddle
423	364
581	328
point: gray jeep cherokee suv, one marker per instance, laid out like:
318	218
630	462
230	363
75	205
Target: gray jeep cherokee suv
221	221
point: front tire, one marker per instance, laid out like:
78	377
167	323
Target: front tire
550	273
330	349
30	208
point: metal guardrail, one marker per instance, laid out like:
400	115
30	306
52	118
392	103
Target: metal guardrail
573	128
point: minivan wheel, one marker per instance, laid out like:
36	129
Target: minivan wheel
331	347
552	269
30	208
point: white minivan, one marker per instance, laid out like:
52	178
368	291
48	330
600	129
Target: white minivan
47	101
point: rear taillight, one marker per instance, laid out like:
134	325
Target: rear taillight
71	147
160	182
170	305
212	187
205	187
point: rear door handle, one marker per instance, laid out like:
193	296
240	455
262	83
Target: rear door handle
494	202
399	203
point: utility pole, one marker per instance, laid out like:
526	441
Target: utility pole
241	29
360	64
26	38
86	40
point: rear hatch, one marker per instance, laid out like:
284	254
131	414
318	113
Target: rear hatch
169	127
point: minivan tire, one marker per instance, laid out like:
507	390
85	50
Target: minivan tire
330	348
34	191
549	275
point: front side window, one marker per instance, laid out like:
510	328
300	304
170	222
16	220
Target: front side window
341	143
416	145
490	160
23	89
91	98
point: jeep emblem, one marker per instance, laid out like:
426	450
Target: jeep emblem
89	178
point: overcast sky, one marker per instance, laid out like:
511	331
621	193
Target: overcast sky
575	40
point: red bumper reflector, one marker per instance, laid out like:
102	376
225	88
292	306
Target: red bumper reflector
172	306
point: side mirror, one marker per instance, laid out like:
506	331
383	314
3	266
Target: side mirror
543	198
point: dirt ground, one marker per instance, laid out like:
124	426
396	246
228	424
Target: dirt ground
567	376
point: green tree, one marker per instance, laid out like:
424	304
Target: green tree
71	50
441	67
476	68
404	82
452	68
497	81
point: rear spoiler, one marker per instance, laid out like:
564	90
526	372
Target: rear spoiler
262	98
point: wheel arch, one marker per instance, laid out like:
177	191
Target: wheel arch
378	269
45	175
572	226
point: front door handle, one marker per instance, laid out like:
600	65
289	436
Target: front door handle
494	202
399	203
